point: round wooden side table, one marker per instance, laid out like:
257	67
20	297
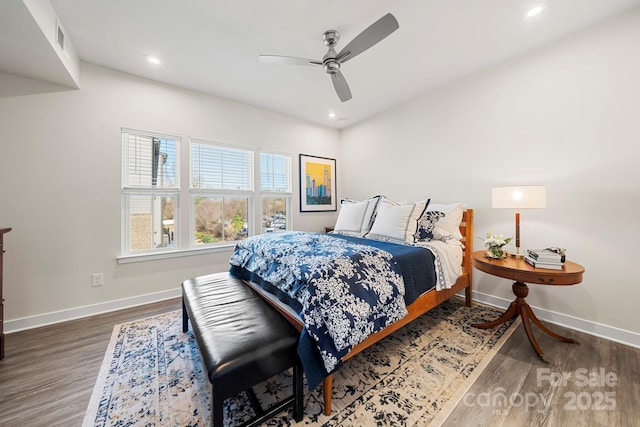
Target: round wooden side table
518	270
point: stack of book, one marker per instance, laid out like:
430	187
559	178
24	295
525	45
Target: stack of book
552	258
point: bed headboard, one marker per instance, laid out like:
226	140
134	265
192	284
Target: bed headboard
466	228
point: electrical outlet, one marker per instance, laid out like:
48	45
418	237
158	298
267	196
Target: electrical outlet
97	279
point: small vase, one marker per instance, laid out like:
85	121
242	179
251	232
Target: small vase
495	252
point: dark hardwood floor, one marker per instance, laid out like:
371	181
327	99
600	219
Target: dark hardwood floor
595	383
48	374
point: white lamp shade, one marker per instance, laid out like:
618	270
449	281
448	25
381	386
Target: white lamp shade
519	197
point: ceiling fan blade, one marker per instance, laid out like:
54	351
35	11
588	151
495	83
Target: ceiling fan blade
288	60
373	34
341	86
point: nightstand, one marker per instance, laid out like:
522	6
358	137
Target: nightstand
517	269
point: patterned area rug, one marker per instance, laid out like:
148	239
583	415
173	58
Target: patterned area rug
152	375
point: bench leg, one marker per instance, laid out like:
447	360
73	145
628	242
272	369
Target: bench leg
296	400
185	317
217	407
298	390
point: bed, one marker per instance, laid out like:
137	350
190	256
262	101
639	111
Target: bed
415	300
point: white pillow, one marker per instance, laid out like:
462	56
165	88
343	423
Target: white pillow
447	227
355	218
351	217
396	223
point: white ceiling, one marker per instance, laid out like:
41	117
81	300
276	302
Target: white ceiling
213	46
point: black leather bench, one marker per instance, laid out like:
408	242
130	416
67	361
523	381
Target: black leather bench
242	340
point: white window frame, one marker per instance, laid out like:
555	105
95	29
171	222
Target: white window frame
129	190
287	193
184	194
247	192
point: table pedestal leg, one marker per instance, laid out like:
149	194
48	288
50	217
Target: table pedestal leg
519	307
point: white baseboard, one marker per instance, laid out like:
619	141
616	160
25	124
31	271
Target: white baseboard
592	328
87	310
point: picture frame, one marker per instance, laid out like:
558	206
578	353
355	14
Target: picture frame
317	184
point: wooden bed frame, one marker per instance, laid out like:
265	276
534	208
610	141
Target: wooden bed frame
424	303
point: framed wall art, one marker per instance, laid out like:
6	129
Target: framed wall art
317	184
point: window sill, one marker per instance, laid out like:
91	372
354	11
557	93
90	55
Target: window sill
176	253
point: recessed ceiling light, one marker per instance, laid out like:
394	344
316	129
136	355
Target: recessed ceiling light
534	11
332	115
153	60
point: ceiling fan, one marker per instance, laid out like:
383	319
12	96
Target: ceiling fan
332	60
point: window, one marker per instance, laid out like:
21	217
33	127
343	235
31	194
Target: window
275	191
221	192
150	190
229	196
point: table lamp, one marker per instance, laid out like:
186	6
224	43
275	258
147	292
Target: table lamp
519	197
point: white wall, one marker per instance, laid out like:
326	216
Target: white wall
566	116
60	180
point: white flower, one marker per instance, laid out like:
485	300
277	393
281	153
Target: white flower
495	240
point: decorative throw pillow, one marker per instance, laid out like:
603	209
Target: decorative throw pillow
426	223
447	227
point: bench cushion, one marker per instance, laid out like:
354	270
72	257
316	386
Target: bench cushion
242	339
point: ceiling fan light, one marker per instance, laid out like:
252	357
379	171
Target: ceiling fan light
332	67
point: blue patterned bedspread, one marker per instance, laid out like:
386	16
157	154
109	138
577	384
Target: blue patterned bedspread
345	291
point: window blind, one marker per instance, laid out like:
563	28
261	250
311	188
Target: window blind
275	172
216	167
150	162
